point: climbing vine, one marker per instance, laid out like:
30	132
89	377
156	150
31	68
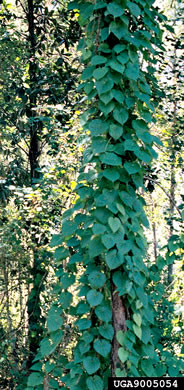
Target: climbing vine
102	237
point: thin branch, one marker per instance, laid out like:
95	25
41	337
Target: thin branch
24	9
163	189
27	154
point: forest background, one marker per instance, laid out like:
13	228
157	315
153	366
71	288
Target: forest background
42	140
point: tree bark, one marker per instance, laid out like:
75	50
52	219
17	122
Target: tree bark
119	317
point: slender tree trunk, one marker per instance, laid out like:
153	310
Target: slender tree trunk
119	317
173	162
35	320
171	229
6	283
34	149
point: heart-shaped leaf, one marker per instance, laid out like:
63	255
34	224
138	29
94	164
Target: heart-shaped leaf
91	364
114	224
94	383
137	331
137	318
123	354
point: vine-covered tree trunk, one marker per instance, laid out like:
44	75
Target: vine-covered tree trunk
104	230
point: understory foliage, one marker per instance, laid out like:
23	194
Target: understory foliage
37	165
102	276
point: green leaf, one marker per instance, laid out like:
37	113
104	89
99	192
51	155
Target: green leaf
108	240
83	324
114	224
173	371
123	58
103	347
139	125
94	297
104	85
104	35
69	228
115	9
120	115
97	279
117	29
104	313
130	145
115	131
106	97
98	60
46	348
54	321
87	73
121	208
113	260
132	167
99	73
99	145
49	367
57	239
83	308
123	354
115	65
119	281
134	9
106	331
124	246
132	52
148	350
98	127
132	71
95	383
95	247
142	296
36	367
91	364
83	347
147	367
111	174
106	108
120	336
111	159
35	379
137	318
118	95
126	198
161	370
146	334
56	337
137	331
87	337
61	253
67	280
98	228
118	48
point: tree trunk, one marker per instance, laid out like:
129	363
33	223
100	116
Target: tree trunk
173	161
35	319
119	317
